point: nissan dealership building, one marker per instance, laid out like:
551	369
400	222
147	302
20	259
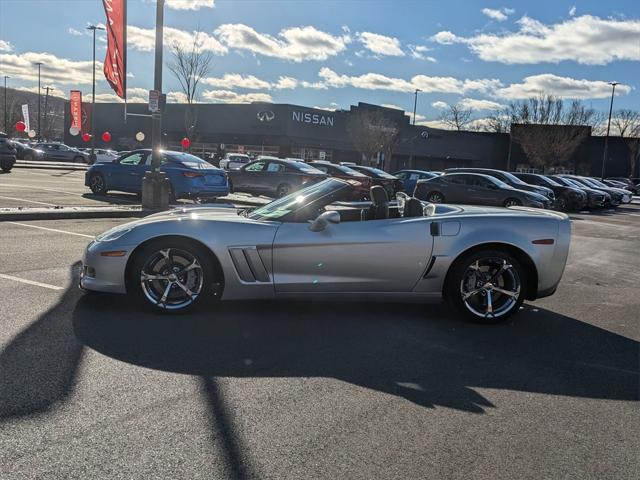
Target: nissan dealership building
286	130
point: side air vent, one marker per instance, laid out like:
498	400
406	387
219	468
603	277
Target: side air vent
248	264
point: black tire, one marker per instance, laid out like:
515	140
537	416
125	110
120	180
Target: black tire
561	204
79	159
283	190
172	195
230	186
460	282
435	197
201	281
97	184
28	156
511	202
6	169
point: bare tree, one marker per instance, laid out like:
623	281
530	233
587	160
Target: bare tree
456	116
547	130
190	65
371	133
626	121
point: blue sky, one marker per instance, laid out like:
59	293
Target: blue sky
335	53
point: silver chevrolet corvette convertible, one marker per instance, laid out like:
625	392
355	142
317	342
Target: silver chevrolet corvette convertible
312	245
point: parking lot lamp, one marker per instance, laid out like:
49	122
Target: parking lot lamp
415	104
39	64
92	155
606	138
6	116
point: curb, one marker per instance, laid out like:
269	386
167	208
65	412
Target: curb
72	213
50	165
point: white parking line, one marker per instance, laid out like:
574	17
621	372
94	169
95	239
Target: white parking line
28	201
79	194
53	230
30	282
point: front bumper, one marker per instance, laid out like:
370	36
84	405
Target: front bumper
104	274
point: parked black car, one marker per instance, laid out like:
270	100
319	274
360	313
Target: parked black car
26	152
476	189
632	183
595	198
617	197
618	184
62	153
273	177
360	192
508	178
390	183
567	198
7	154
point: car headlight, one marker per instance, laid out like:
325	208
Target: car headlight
113	234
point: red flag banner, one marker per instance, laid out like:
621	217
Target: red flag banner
115	63
76	109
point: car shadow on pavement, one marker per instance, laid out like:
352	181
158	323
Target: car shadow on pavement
421	353
38	366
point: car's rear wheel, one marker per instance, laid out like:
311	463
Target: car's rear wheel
79	159
487	286
97	184
512	202
283	190
435	197
230	186
561	203
171	275
28	156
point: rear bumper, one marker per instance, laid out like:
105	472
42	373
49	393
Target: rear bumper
220	191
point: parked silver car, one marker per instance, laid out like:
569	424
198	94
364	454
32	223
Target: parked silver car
62	153
234	161
311	245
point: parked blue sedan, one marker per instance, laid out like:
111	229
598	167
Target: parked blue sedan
410	178
190	176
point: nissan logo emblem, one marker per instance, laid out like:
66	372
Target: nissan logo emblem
266	116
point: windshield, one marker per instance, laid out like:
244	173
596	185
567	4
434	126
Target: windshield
597	183
571	183
498	182
589	182
299	200
548	181
513	178
188	160
303	167
380	173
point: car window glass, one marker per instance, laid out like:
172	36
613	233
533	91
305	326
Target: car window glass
255	167
134	159
322	168
414	176
401	175
456	179
275	167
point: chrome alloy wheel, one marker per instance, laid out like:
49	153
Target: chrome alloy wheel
490	287
172	278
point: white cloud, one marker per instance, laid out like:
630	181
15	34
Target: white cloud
234	80
296	44
484	85
435	124
572	11
176	97
144	39
190	4
314	85
440	105
380	44
476	104
54	92
331	108
285	83
418	52
497	15
227	96
5	46
53	70
74	32
566	87
134	95
587	39
446	38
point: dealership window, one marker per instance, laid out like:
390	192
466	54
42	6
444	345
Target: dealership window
311	154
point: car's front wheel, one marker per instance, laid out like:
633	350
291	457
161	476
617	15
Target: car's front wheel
97	184
283	190
561	204
171	275
487	286
512	202
435	197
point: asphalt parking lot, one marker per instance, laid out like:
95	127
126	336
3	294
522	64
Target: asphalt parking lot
91	387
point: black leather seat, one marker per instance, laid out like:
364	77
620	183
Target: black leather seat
379	203
413	208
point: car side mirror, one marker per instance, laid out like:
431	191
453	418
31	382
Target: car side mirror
323	221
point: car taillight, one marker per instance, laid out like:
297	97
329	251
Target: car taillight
192	174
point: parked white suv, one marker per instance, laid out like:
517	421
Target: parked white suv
234	161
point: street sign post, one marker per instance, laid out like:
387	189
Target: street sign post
154	101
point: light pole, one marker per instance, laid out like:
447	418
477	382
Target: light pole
415	104
39	64
92	156
606	138
155	185
6	117
46	102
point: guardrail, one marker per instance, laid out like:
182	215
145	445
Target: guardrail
50	165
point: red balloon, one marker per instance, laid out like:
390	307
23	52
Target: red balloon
86	137
186	143
21	126
106	137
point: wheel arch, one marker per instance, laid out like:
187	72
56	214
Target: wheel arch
520	255
219	272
